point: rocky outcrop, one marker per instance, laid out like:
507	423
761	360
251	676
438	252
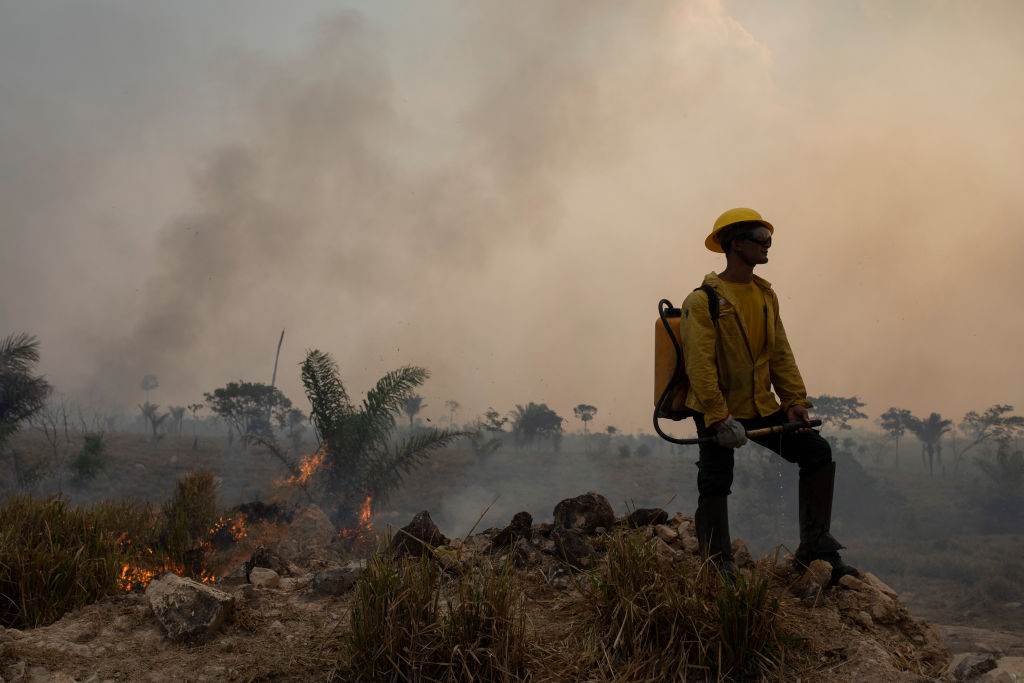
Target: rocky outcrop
572	547
585	513
417	536
646	517
520	527
188	610
337	581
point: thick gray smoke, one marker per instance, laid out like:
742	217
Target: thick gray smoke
502	193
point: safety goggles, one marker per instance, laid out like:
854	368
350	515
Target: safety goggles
764	242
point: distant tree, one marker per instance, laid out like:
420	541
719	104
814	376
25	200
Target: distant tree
536	421
1003	503
151	415
584	413
22	393
612	430
992	425
411	406
837	411
453	407
194	408
177	417
624	450
149	383
487	435
363	461
894	422
293	423
929	432
247	407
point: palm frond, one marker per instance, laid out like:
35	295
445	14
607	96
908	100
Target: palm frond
326	392
388	397
18	352
398	459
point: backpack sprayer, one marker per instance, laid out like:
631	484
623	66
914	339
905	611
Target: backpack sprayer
671	383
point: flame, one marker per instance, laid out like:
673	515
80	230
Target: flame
307	468
236	526
364	526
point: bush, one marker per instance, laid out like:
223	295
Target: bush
54	559
409	622
190	515
661	620
91	459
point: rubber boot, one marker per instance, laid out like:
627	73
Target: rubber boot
816	542
712	526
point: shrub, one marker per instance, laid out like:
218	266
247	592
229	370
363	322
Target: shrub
190	515
91	459
53	559
409	622
661	620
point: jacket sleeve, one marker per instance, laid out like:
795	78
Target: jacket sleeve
700	357
786	379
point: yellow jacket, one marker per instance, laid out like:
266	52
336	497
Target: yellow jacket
724	377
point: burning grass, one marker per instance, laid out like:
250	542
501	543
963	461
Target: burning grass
55	558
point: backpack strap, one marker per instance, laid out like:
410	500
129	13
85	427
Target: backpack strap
712	301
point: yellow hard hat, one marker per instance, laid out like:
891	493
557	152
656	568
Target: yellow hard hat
732	217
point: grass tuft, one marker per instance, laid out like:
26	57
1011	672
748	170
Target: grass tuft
660	618
412	622
53	559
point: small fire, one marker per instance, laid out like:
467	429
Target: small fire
234	525
364	526
307	468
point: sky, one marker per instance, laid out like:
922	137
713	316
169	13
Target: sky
501	192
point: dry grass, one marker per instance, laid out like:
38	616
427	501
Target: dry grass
409	621
658	617
53	559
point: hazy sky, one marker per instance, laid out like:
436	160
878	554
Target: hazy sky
501	192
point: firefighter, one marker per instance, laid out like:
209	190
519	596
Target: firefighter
733	362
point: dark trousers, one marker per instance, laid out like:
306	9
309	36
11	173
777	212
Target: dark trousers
809	450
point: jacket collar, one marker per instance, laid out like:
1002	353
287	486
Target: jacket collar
716	282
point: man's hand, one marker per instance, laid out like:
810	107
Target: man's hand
730	433
798	414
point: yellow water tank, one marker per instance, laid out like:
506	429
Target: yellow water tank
668	368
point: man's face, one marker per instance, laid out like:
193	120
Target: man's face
753	245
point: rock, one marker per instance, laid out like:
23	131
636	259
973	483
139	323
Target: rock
521	527
814	580
646	517
689	544
572	547
884	610
524	555
264	578
862	619
741	554
666	533
236	577
879	585
853	583
267	559
337	581
974	665
309	532
188	610
420	532
584	513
